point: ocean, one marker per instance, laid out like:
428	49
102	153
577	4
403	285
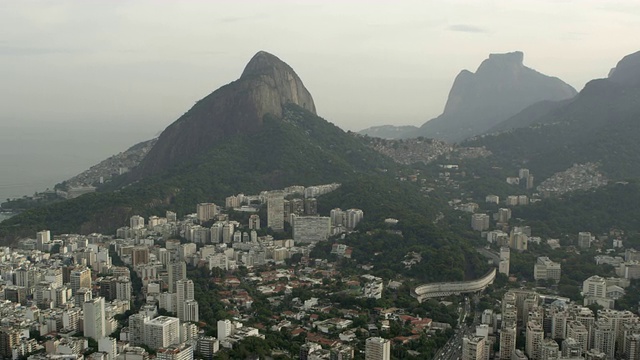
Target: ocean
37	155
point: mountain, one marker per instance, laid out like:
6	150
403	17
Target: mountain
389	131
529	115
110	167
627	71
499	89
287	145
601	124
266	84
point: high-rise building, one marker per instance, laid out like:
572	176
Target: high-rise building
584	240
275	210
123	289
310	206
225	329
311	229
518	239
504	214
80	278
595	286
529	182
545	269
474	348
108	288
109	346
177	270
377	348
342	352
231	202
535	335
507	340
171	216
136	222
296	207
579	333
208	346
571	348
136	328
42	237
480	222
190	312
549	350
632	347
227	232
206	211
9	340
337	217
493	199
617	320
184	291
604	338
139	255
505	258
94	318
161	332
81	296
254	222
595	354
16	294
175	352
353	218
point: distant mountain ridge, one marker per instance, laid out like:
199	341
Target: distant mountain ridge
500	88
286	144
601	124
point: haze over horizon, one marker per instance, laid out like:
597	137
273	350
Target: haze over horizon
123	71
144	63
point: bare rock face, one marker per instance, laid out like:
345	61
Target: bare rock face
266	84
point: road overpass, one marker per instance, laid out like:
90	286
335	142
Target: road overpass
435	290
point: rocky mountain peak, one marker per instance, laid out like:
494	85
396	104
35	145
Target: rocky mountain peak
501	87
264	63
514	57
265	86
627	71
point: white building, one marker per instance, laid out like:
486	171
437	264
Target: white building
480	222
275	210
377	349
474	348
225	329
184	292
109	346
176	352
545	269
162	332
353	218
206	211
505	258
94	318
311	229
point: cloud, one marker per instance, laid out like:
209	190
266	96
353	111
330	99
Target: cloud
467	28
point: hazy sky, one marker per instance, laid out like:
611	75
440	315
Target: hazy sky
138	65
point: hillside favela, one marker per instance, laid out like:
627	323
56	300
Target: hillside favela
461	200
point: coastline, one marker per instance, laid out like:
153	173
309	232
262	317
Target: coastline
5	215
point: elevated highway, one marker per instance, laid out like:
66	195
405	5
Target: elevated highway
435	290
